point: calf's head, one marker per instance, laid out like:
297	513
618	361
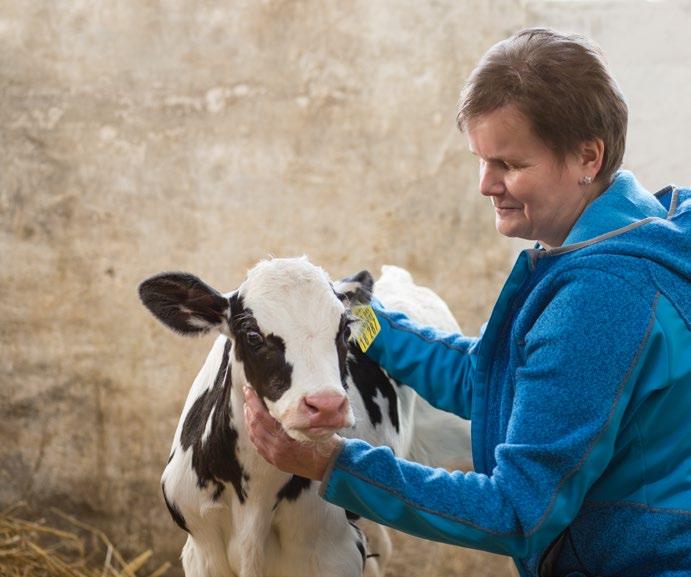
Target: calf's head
289	326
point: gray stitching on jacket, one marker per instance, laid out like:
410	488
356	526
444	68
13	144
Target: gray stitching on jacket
418	506
578	245
631	505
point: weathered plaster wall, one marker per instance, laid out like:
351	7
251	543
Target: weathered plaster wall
137	137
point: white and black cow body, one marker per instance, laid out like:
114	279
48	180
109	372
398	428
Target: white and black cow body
285	332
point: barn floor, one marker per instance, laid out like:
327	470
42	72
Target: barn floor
58	545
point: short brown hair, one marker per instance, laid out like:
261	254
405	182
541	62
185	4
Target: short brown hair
560	83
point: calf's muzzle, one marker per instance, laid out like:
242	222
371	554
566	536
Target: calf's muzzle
325	410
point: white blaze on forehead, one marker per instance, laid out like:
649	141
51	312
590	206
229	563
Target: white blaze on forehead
294	300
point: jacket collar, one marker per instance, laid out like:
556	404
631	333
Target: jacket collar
623	203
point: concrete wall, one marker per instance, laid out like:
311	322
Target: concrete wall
138	137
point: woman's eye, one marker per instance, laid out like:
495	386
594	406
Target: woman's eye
254	339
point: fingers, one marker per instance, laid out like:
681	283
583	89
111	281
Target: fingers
264	431
256	414
278	448
253	401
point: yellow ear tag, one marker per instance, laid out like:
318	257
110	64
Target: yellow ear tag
369	327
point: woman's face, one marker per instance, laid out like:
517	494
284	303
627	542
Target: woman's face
535	196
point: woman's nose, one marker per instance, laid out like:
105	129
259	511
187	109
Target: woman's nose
491	180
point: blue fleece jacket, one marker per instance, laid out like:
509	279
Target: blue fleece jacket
579	392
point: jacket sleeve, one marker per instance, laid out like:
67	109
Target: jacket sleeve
581	357
439	366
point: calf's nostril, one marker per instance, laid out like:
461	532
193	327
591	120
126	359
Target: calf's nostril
325	406
312	409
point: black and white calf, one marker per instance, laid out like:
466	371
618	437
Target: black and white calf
285	331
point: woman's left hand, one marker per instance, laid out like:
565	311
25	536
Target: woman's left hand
305	459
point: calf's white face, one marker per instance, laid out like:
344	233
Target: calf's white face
288	327
289	330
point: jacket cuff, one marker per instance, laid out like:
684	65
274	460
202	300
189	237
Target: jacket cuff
330	467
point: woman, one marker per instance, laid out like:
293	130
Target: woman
579	387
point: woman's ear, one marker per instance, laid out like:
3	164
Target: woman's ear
591	154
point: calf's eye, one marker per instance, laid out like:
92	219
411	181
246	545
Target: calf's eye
254	339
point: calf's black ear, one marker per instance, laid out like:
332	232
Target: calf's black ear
356	289
184	303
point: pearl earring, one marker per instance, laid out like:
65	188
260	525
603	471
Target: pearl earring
585	180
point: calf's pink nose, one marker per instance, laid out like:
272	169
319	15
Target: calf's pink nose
325	409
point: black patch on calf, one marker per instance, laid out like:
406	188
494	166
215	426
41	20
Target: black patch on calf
262	356
342	348
360	543
361	548
174	511
293	489
370	378
215	461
